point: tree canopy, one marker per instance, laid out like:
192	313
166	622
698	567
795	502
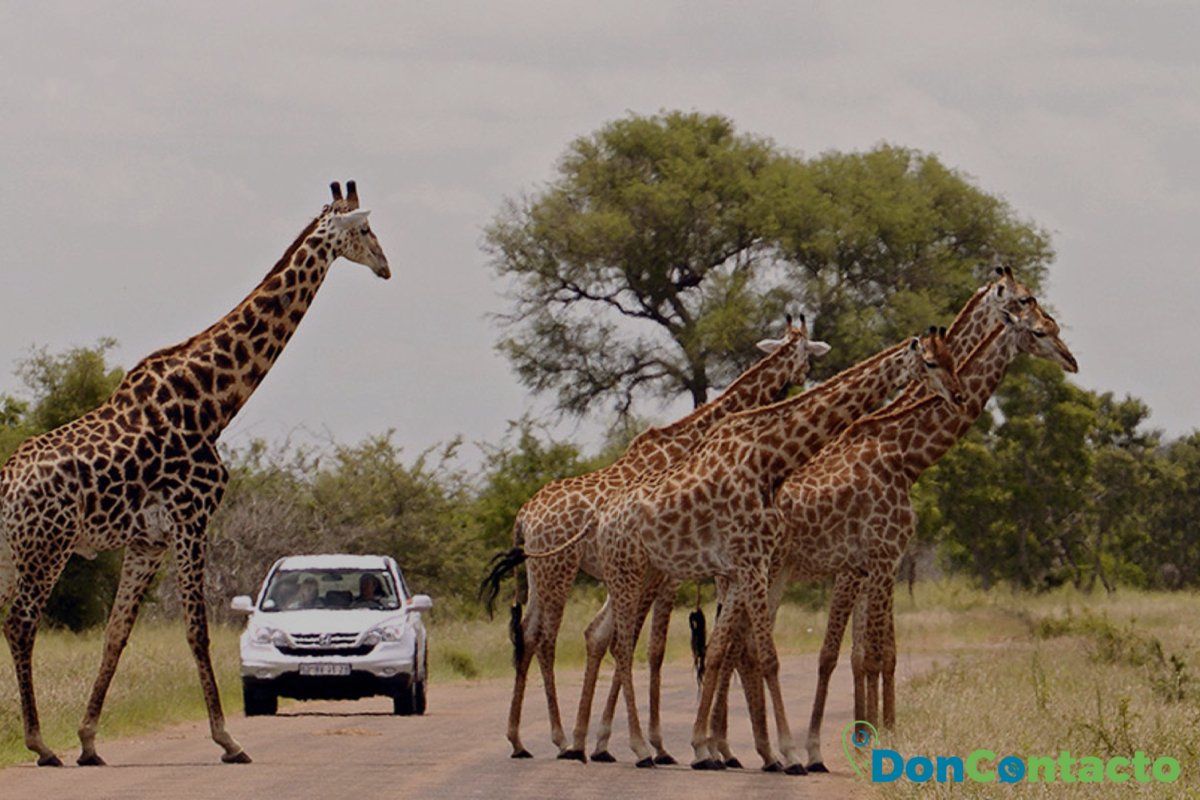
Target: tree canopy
667	245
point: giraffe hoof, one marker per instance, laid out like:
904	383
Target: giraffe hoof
774	766
733	763
706	763
522	753
603	757
573	755
93	760
665	760
645	763
239	757
796	769
817	766
49	761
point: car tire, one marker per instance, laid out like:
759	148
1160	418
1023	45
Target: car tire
419	689
402	700
258	700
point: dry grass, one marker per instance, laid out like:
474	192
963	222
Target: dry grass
1025	675
1032	676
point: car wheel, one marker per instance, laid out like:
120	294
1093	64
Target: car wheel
419	689
258	701
402	700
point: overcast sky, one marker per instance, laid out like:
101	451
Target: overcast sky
157	158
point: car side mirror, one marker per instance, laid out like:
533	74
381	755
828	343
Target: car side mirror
242	604
419	602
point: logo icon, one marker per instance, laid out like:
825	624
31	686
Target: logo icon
857	734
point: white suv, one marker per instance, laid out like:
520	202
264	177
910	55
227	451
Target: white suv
334	627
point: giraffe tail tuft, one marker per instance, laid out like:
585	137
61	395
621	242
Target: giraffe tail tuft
516	634
698	625
502	565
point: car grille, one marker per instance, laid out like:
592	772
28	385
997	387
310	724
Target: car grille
325	644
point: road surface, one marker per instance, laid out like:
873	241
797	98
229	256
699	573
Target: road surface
359	750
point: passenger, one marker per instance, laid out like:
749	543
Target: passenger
307	596
370	592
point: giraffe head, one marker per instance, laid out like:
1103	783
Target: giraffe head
799	348
1037	334
932	367
1006	294
346	226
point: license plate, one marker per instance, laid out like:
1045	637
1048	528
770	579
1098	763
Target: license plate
324	669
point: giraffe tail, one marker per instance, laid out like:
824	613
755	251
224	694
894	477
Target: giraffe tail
698	625
502	565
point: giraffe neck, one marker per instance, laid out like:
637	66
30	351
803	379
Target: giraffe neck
789	433
202	383
923	431
973	323
764	383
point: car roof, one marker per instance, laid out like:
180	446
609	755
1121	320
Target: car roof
332	561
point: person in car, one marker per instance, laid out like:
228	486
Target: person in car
370	592
306	597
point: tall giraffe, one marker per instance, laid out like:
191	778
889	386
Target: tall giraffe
547	524
977	319
848	513
707	516
142	471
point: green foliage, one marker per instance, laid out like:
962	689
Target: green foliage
514	473
669	244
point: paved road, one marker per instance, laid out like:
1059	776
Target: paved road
359	750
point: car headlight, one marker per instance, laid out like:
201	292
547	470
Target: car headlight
269	636
384	633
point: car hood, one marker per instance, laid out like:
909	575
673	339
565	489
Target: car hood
325	620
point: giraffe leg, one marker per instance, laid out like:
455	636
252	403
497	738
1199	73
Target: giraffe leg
604	730
705	755
873	636
547	646
889	666
20	630
660	621
768	658
597	637
753	688
140	564
526	629
845	590
189	551
625	632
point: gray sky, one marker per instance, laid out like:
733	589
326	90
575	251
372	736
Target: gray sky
157	160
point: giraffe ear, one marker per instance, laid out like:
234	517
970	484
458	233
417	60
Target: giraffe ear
352	219
818	348
770	345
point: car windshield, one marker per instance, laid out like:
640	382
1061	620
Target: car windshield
330	588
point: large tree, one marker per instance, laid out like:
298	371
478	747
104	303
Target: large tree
636	269
668	245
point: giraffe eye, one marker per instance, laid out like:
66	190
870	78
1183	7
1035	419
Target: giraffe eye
1026	301
931	364
1040	334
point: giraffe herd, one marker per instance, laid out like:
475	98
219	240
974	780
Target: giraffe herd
753	489
812	487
